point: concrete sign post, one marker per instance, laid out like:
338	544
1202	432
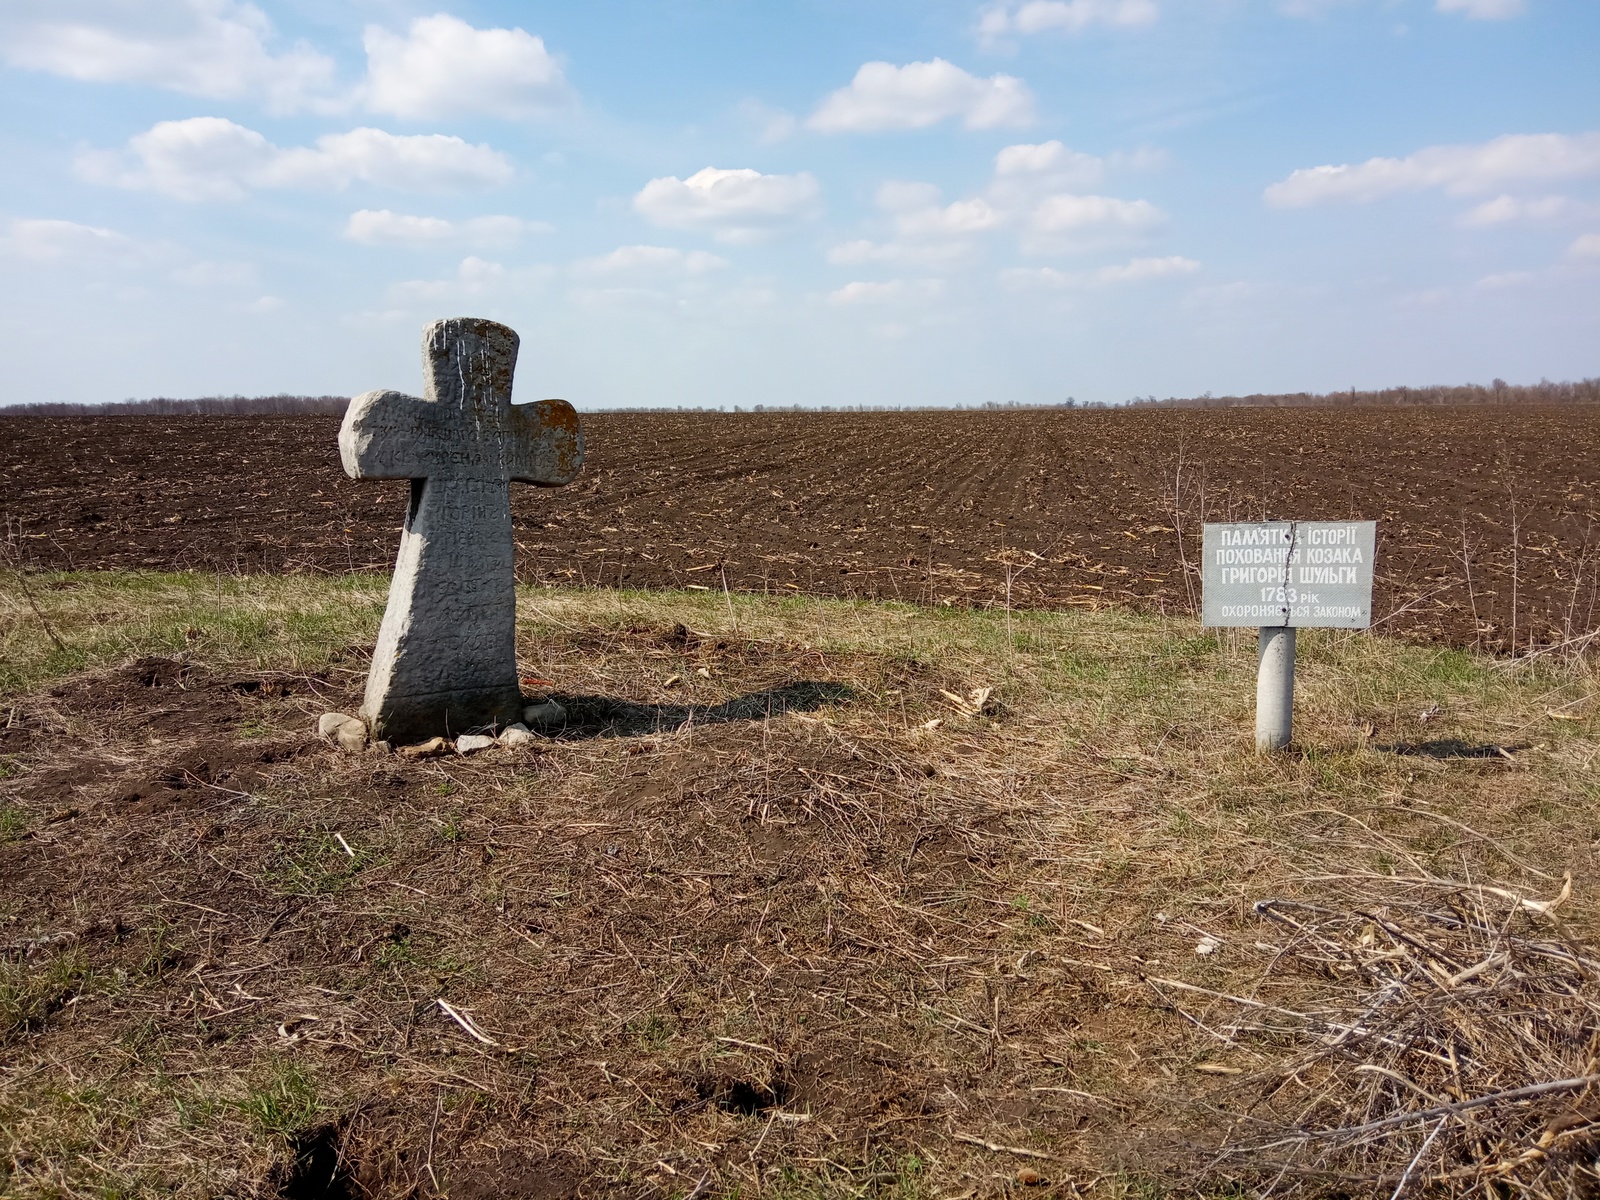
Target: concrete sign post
1280	576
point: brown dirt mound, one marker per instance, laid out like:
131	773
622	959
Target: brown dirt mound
672	960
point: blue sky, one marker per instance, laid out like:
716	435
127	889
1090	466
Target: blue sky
711	202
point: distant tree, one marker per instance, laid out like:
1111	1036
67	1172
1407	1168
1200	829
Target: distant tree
162	406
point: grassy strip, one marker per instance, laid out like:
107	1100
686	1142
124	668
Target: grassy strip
1113	667
55	624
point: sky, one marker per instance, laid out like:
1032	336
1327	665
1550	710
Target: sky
816	202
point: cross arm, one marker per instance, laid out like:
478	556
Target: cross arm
544	443
380	436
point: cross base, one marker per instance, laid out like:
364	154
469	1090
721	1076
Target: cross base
445	662
405	721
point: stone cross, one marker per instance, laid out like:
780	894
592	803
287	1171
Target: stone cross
446	662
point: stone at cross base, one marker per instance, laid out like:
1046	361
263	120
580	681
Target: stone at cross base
445	663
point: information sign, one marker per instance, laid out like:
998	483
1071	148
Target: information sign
1298	574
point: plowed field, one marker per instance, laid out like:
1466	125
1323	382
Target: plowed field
1485	514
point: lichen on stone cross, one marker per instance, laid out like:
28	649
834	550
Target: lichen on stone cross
445	661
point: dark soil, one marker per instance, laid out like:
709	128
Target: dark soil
1485	514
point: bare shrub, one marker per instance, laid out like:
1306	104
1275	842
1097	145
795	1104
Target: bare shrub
1413	1031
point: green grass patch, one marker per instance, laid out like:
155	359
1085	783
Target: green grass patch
102	618
32	991
282	1101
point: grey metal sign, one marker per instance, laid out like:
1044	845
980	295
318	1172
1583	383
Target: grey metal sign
1302	574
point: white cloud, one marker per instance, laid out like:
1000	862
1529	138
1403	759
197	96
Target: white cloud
928	255
211	158
1587	246
650	260
213	48
735	205
416	162
225	49
1024	192
92	248
921	94
1068	213
892	291
1072	16
650	277
1505	209
1460	170
52	241
1025	174
474	279
203	158
373	227
1505	279
1050	161
1138	270
953	220
938	232
443	67
1483	10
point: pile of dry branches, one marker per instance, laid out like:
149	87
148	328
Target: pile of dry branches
1419	1035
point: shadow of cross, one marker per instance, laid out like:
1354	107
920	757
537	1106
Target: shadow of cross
445	662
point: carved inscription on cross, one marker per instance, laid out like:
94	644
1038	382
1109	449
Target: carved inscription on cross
445	662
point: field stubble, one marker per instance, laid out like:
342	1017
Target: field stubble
792	908
1485	514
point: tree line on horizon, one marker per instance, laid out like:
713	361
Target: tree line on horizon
1499	392
1584	391
200	406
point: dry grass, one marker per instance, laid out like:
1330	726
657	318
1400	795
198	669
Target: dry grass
776	916
1440	1031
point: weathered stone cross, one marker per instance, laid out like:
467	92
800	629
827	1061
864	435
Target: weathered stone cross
445	662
